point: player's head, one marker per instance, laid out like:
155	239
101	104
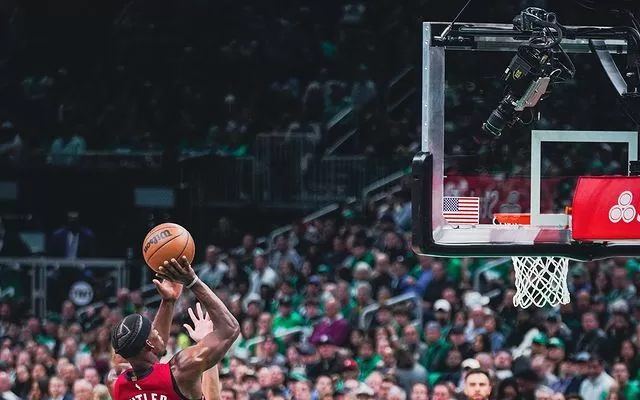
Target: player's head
135	339
477	384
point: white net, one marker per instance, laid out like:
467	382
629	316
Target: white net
541	281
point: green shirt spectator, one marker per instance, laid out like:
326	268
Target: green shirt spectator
368	365
437	347
286	317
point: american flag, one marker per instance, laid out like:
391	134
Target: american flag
461	210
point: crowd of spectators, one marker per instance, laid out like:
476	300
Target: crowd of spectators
219	73
311	327
307	334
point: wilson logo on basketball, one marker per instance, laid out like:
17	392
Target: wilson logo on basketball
624	211
156	238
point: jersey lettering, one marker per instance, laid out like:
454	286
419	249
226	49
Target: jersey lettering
151	396
157	385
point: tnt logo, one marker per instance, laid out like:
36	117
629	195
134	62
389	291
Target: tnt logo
624	210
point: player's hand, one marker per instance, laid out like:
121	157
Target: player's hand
202	325
177	271
168	290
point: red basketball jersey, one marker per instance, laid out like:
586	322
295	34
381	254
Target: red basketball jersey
157	385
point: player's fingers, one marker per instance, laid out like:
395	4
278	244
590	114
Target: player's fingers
192	315
206	317
200	313
177	267
162	276
184	263
156	282
170	268
188	328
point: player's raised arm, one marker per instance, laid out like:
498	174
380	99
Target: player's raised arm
202	325
169	293
189	364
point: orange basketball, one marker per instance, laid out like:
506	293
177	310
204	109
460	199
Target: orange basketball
167	241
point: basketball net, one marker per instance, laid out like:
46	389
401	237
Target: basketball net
540	281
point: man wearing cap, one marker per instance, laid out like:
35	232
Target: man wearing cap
286	318
569	377
555	351
364	392
555	328
330	363
539	345
138	340
597	383
442	315
350	370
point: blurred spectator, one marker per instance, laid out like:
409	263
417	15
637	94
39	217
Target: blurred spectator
320	314
73	240
11	245
10	143
67	147
212	270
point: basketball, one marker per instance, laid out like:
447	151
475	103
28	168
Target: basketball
167	241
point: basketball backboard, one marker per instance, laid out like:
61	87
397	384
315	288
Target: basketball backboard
463	177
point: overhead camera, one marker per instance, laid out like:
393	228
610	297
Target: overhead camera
536	66
541	63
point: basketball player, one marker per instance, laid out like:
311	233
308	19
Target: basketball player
202	325
477	384
141	343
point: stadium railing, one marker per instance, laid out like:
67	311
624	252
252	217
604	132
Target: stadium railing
52	280
110	159
305	330
219	180
289	171
381	188
401	88
285	170
283	230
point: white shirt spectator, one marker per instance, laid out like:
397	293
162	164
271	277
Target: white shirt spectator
211	275
268	277
596	388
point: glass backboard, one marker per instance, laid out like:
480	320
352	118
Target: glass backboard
464	177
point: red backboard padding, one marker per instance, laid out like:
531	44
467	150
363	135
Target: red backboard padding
606	208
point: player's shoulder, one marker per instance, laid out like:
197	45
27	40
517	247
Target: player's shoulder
116	377
162	366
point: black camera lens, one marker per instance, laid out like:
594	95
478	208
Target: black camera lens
500	118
